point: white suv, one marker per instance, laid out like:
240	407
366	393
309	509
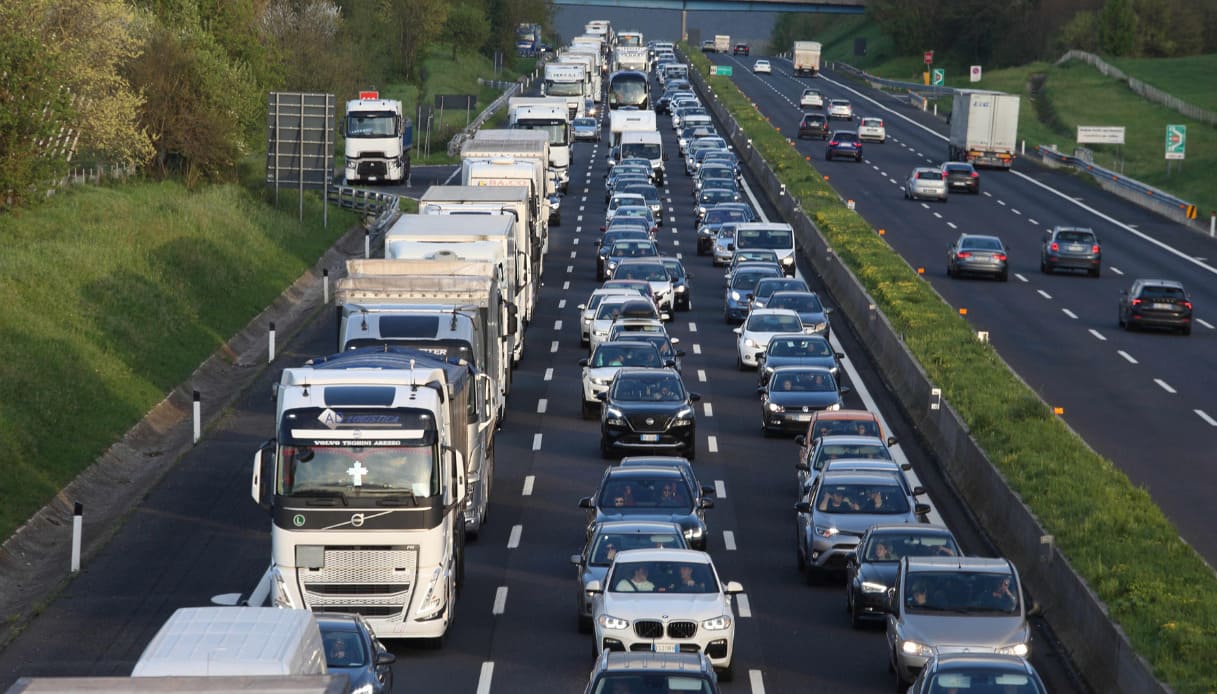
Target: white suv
666	601
840	108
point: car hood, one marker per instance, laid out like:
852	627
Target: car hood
879	572
762	339
826	362
659	409
963	631
696	607
809	399
857	523
603	372
686	519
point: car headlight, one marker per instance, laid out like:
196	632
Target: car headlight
788	260
735	296
916	648
1018	649
587	321
608	621
774	407
833	407
826	532
870	587
685	412
717	623
681	289
749	342
599	381
283	597
433	601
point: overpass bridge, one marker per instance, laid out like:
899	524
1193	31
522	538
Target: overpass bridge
822	6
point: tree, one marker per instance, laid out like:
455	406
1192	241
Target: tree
308	37
415	24
1117	27
467	27
1081	32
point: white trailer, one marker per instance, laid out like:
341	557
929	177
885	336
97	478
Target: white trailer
629	121
806	58
534	119
504	170
984	128
568	81
206	641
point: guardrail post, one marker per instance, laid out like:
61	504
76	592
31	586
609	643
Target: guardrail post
367	243
78	513
270	344
197	402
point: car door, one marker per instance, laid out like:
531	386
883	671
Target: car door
804	522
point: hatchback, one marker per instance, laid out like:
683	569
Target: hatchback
961	176
1071	248
811	99
586	129
840	108
1008	674
872	129
1156	303
844	143
978	255
925	182
762	66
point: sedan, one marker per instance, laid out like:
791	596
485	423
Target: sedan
741	283
1071	248
586	129
648	409
652	271
844	143
978	255
771	285
798	349
609	358
871	128
606	540
961	175
811	310
872	569
713	196
650	492
627	248
762	66
924	182
981	671
761	325
828	448
793	393
840	108
352	650
587	310
1156	303
681	289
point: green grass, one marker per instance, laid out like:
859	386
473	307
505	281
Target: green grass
1192	78
1156	587
111	297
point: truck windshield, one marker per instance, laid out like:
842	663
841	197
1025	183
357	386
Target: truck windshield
645	150
563	88
556	129
628	89
371	124
359	468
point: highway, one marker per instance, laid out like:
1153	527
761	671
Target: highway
1142	400
199	533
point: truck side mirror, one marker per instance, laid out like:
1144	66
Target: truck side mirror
265	457
512	314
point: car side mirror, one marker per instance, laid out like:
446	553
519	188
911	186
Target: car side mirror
802	507
840	355
705	502
733	588
801	440
760	389
918	491
922	510
585	502
665	316
695	397
602	396
670	363
892	441
889	601
845	390
576	559
582	307
385	658
707	490
739	330
675	341
680	353
802	466
594	587
582	362
760	356
906	466
1034	609
828	311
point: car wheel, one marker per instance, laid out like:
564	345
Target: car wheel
1120	320
1186	330
1004	276
902	684
855	617
739	363
950	271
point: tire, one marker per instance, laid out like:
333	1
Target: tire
855	617
739	363
950	272
1186	330
1004	277
1097	272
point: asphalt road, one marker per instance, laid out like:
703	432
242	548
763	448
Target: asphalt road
199	533
1143	400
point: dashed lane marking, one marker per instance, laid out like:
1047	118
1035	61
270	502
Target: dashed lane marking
1043	293
561	304
720	489
701	375
697	349
742	606
513	541
1127	357
553	347
1165	386
1098	335
754	680
488	673
1069	313
729	540
1201	414
558	325
709	409
500	600
712	444
542	405
549	374
536	441
1020	277
529	482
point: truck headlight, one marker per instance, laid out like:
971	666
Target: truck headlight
433	601
608	621
717	623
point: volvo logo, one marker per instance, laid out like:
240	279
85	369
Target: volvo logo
650	420
357	520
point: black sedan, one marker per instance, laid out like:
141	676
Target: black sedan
961	175
648	410
872	569
793	394
352	650
681	289
650	492
798	350
1071	248
811	310
973	254
1156	304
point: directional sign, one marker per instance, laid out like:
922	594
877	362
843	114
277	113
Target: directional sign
1101	134
929	57
1176	141
724	70
940	77
974	75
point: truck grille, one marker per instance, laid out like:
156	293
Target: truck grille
374	582
372	168
648	629
638	422
682	630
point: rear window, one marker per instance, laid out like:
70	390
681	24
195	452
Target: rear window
813	120
844	137
1075	237
873	122
929	175
1153	291
981	244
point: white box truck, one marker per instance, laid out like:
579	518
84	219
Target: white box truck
568	81
631	58
984	128
504	170
629	121
378	140
550	119
806	58
646	144
722	43
246	684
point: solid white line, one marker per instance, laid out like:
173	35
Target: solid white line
542	405
449	179
1098	335
729	540
756	682
696	348
1205	323
549	374
536	441
709	409
485	677
712	444
1043	293
1127	357
742	606
500	600
720	489
513	541
1201	413
692	327
701	375
1116	270
553	347
1165	386
1069	313
529	481
1020	277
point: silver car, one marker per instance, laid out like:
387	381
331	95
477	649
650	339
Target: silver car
926	183
609	538
942	605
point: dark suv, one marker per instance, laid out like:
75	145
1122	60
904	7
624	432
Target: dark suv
740	49
649	673
1071	248
813	125
1156	303
651	492
648	410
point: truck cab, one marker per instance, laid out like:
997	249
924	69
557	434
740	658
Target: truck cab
378	140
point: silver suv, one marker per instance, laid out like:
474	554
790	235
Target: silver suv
942	605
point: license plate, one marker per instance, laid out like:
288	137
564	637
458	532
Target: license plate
806	417
664	647
1163	307
1075	247
650	438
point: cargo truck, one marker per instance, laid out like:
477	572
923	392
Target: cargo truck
722	43
550	119
589	60
631	58
984	128
569	82
378	140
806	58
494	170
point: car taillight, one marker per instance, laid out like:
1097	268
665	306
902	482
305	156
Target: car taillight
1187	305
975	175
832	143
1094	248
857	144
1001	257
1055	246
1136	302
963	254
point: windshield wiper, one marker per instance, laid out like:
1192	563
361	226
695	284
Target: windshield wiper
321	497
400	498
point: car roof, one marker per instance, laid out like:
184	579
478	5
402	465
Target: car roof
641	526
684	663
964	237
843	440
624	343
892	477
771	311
1013	663
802	367
659	460
846	415
657	554
644	371
927	169
986	564
906	528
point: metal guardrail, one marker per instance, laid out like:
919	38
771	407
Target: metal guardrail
377	208
883	83
512	88
1128	188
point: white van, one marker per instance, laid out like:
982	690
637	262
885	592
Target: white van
228	641
778	238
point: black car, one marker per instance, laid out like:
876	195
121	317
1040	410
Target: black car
974	254
1156	304
648	410
675	462
741	49
682	291
961	175
872	569
813	125
650	492
716	217
612	235
352	650
709	197
771	285
844	143
793	394
651	673
1071	248
811	310
798	350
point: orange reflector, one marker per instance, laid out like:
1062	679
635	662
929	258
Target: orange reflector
1058	410
825	175
807	158
963	311
882	232
920	271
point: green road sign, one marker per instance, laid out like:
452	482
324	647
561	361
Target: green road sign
723	70
940	77
1176	141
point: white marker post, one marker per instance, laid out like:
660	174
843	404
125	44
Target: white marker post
367	243
270	350
198	416
325	286
77	526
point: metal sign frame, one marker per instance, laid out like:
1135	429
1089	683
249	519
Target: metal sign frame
300	143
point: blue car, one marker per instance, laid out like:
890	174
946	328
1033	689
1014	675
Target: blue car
844	143
741	283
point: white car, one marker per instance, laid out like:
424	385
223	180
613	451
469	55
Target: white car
652	271
840	108
811	99
761	325
612	312
872	129
608	358
623	200
587	311
666	601
925	182
762	66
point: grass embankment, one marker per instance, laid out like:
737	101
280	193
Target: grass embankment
110	297
1190	78
1157	588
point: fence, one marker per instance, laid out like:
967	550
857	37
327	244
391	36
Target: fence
923	90
376	208
511	89
1147	91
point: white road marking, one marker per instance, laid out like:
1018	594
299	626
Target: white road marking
1001	202
1116	270
754	680
570	269
925	206
1205	323
577	230
574	254
692	327
952	225
1020	277
529	482
558	324
938	215
696	348
709	409
1098	335
542	405
712	444
561	304
513	541
729	540
701	375
1201	414
1043	293
1127	357
1069	313
720	489
536	441
1015	211
486	675
987	193
566	285
1032	221
553	347
500	600
549	374
1165	386
742	606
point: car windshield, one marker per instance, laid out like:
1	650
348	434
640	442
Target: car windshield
978	679
608	543
844	136
959	168
802	382
585	122
800	303
713	195
753	255
674	267
358	469
1075	237
662	577
981	244
962	592
620	355
719	172
637	388
862	498
649	194
766	238
633	211
774	323
638	271
343	649
799	347
867	451
847	427
718	216
747	279
895	546
872	122
813	120
659	339
608	311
